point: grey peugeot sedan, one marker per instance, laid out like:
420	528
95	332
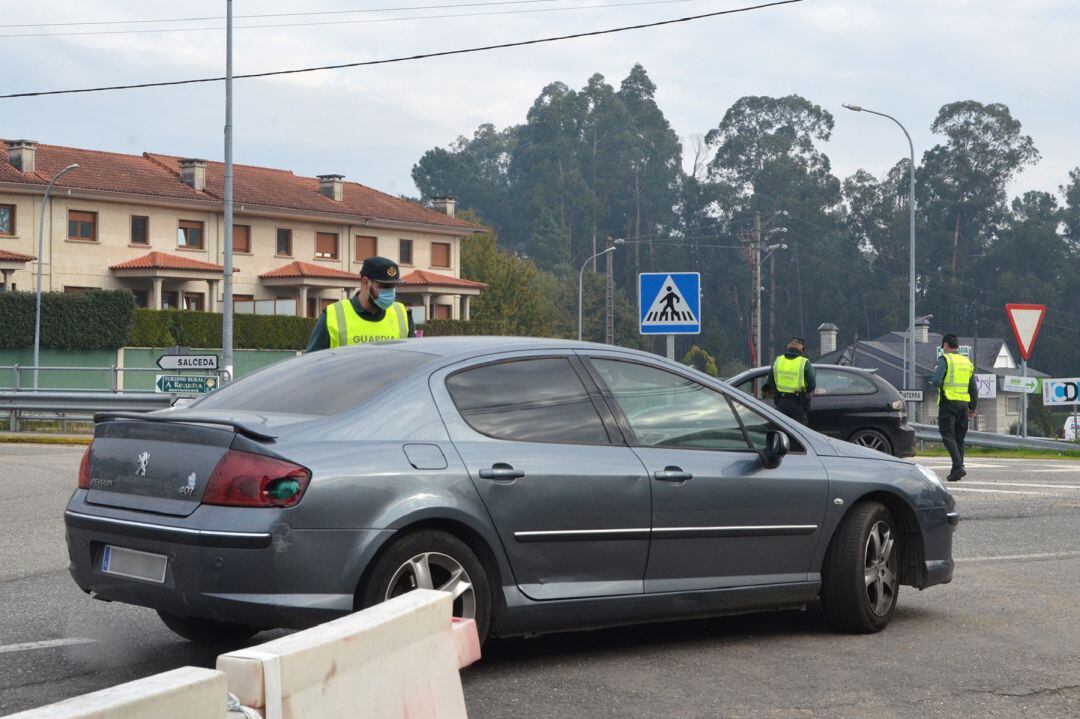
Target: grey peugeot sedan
549	485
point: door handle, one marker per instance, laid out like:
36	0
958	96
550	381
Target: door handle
502	472
672	474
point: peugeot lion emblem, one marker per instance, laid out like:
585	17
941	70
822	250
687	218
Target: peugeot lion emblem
144	459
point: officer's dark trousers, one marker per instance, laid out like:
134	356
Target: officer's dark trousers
953	424
793	406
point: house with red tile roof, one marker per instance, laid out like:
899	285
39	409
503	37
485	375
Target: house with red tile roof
154	224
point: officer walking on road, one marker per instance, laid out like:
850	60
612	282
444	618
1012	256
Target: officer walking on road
792	381
371	315
958	396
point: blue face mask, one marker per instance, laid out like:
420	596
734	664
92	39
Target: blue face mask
386	297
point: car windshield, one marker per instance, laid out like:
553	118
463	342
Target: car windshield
320	383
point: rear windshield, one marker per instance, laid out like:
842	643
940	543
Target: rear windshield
320	383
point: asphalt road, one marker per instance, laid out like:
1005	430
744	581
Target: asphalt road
1000	641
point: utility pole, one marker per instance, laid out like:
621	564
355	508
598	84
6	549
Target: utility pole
772	300
609	294
227	283
755	297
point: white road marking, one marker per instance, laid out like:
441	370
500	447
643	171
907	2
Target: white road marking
47	644
998	491
1017	557
1024	484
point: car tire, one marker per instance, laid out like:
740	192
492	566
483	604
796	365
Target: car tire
434	560
873	439
860	577
208	631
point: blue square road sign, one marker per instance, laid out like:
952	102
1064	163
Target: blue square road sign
669	303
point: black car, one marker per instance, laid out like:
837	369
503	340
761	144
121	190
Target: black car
851	404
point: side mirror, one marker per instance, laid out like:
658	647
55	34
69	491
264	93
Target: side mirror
777	445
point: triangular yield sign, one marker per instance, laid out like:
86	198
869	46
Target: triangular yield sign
669	307
1026	320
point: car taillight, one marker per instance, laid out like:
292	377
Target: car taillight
242	479
84	470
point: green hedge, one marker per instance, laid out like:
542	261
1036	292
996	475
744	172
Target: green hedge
164	328
447	328
95	319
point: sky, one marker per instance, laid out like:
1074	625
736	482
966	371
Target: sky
372	124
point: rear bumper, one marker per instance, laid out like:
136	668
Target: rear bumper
904	444
280	577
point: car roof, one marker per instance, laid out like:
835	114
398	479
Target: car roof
468	346
846	368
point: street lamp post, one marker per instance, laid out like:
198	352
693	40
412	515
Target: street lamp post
909	344
581	278
40	253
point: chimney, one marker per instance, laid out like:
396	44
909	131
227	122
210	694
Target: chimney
828	332
331	186
22	155
193	173
446	205
922	329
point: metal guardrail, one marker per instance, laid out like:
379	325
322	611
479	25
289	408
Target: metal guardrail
67	403
930	433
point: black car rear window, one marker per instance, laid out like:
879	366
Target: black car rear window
320	383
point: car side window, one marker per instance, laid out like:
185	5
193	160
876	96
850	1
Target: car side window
532	400
668	410
834	382
758	426
752	386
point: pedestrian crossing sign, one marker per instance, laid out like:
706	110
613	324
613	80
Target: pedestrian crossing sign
669	303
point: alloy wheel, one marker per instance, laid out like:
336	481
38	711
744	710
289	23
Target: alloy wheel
873	440
433	570
880	569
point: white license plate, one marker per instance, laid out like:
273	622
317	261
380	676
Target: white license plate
134	564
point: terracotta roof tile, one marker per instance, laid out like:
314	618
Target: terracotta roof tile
156	175
423	277
165	261
306	269
7	256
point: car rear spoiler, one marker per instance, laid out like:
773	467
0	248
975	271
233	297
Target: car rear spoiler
242	428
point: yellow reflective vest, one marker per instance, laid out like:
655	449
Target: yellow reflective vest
346	327
957	378
789	375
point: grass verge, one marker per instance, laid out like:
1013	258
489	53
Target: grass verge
990	452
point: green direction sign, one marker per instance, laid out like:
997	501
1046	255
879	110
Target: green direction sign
185	384
1029	385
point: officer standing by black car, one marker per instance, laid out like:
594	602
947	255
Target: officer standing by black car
371	315
958	397
792	381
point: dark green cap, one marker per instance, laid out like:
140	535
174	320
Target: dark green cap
382	270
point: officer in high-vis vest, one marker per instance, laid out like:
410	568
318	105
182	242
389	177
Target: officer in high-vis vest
958	396
371	315
792	381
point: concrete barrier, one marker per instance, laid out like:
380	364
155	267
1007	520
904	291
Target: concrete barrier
185	693
396	659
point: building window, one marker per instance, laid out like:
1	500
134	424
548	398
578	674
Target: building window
77	290
170	300
190	235
326	245
194	301
440	254
405	252
241	238
442	312
284	242
1012	404
7	219
140	230
82	225
366	247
